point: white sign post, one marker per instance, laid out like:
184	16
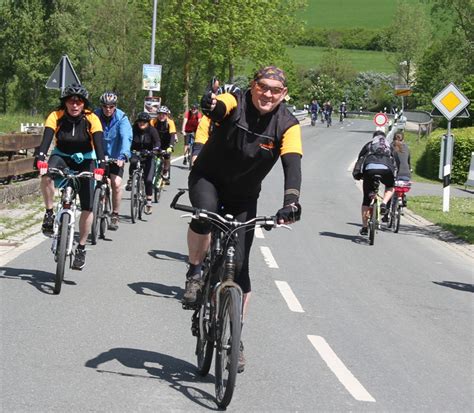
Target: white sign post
450	102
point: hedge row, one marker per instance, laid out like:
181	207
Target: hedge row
350	38
428	164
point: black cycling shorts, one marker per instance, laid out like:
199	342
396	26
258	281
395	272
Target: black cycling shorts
369	183
114	169
188	137
205	195
86	189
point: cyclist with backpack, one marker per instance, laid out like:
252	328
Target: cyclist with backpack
378	160
117	141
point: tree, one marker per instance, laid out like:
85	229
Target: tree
408	37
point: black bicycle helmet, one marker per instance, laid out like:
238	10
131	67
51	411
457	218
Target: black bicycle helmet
75	90
108	98
143	117
228	88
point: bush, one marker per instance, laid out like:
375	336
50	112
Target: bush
428	165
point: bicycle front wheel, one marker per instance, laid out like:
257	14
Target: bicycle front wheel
205	341
61	251
96	213
106	210
141	199
227	346
135	197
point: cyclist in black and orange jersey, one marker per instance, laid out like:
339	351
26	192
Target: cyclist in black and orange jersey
250	132
78	135
167	130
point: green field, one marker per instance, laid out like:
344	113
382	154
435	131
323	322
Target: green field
336	14
362	60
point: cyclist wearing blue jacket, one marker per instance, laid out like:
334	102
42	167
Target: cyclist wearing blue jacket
117	143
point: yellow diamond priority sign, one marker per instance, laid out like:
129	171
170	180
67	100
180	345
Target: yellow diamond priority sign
450	101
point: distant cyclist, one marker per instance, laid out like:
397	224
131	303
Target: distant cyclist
190	124
378	161
167	131
327	109
314	110
117	141
145	137
77	134
342	111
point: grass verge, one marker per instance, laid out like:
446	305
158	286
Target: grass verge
459	220
11	122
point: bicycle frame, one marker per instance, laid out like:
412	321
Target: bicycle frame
67	204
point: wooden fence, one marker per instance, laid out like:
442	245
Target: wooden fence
16	154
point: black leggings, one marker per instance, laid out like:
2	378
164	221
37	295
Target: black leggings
204	194
86	184
149	172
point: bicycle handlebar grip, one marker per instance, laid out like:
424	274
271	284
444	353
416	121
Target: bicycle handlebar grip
181	207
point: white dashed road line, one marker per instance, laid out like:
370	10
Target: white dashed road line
353	386
268	256
259	232
290	298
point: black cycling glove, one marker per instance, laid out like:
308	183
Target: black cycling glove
206	103
289	213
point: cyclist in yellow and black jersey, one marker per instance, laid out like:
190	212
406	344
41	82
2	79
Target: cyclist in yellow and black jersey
167	130
251	131
77	134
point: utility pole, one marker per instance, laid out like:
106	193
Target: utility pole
153	30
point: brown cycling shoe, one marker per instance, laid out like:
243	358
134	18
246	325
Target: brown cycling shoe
192	291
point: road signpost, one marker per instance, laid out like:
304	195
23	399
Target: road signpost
63	75
450	102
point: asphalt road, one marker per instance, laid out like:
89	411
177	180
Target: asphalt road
334	324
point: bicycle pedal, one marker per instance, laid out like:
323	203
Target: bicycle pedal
187	306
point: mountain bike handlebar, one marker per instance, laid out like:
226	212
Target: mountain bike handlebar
267	222
70	174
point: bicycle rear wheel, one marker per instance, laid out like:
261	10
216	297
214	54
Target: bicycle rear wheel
96	213
205	341
396	222
227	346
134	197
61	250
372	225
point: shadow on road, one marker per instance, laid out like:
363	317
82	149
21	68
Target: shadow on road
456	285
354	238
157	290
162	254
157	366
41	280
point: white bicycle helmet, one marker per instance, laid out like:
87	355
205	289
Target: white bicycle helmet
108	98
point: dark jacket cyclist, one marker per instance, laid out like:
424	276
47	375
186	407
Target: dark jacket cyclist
167	130
145	138
77	134
251	131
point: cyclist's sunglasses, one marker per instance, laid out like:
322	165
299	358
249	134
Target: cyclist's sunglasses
108	106
75	99
275	90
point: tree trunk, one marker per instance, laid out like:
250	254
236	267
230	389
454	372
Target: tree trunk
231	72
